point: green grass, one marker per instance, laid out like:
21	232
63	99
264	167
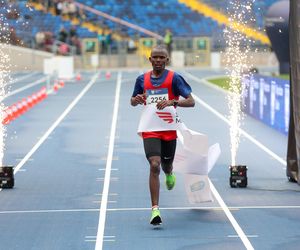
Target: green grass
284	76
223	82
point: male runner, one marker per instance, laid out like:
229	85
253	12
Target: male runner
166	86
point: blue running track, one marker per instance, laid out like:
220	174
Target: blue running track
81	180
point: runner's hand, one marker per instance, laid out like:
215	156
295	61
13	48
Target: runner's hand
165	103
140	99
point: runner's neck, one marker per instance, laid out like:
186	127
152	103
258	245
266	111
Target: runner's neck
157	74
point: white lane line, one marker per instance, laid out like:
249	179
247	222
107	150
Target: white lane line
248	235
232	220
50	211
113	169
104	178
106	238
103	207
98	202
25	87
22	170
135	209
55	124
243	132
20	159
112	194
22	78
202	208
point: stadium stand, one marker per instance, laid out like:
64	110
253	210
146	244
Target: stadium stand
154	15
259	9
30	21
183	21
158	16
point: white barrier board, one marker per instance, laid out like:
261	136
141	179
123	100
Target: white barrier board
177	58
63	66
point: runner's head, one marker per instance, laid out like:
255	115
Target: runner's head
159	58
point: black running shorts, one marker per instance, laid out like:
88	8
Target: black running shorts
158	147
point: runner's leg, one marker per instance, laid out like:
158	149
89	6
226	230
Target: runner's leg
152	148
168	149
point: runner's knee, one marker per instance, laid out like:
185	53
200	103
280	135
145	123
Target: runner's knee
154	164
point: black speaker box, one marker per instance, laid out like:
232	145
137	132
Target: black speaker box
238	176
7	177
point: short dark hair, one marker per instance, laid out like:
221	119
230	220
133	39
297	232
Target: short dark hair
160	47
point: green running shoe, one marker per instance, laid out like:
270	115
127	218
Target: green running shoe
170	181
155	217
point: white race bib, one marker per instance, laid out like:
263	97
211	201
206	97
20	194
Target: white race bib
156	95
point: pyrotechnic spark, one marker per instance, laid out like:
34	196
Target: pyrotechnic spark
237	66
4	75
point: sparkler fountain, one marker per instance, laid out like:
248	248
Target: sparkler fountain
238	47
6	172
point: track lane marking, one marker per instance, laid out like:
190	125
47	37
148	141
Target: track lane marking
135	209
37	82
223	205
230	217
248	235
18	79
56	123
103	207
226	210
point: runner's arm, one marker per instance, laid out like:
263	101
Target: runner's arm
138	95
182	88
187	102
138	99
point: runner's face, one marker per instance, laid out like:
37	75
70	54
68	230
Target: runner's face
158	59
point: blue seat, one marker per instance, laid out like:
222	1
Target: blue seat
154	15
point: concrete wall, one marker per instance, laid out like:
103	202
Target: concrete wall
24	59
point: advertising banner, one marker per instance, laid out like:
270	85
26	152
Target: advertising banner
268	100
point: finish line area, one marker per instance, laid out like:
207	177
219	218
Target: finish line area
81	176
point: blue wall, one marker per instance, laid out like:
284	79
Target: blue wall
268	100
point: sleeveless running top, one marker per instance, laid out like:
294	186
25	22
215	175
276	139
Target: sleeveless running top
156	94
